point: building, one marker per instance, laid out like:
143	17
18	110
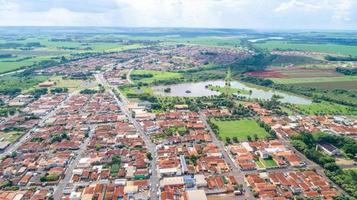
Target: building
329	149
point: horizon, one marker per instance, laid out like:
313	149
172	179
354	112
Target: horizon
231	14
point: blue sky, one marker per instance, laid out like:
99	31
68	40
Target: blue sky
256	14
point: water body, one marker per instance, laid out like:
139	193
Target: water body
198	89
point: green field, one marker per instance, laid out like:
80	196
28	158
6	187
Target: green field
314	80
326	108
51	49
240	129
156	75
326	48
206	41
23	83
73	85
266	163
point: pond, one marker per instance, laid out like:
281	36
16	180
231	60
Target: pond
199	89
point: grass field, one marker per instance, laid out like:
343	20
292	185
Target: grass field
10	136
326	108
240	129
24	83
266	163
73	85
207	41
314	80
348	85
6	66
326	48
156	75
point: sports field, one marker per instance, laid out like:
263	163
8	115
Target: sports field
240	129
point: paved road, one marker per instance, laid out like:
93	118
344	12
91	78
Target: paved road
27	135
234	169
154	179
58	192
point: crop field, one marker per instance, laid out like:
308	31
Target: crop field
295	72
155	75
347	85
207	41
51	49
325	48
240	129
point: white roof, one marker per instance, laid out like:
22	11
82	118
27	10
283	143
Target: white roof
171	181
196	195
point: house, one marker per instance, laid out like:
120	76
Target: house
329	149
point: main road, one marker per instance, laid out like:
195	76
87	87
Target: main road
154	179
58	191
234	169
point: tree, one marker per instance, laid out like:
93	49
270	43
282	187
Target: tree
149	156
249	138
235	139
228	140
255	137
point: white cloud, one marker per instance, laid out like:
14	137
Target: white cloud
181	13
296	4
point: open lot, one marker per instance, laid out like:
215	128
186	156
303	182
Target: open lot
73	85
10	136
240	129
154	75
326	108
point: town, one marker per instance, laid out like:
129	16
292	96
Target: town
113	138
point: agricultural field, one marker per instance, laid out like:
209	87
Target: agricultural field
240	129
213	41
347	85
150	76
290	73
325	48
32	50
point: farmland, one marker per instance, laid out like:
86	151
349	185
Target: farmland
33	50
325	48
240	129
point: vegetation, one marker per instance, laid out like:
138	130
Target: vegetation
304	46
347	71
150	76
306	143
239	128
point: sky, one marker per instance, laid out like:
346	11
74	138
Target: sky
252	14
